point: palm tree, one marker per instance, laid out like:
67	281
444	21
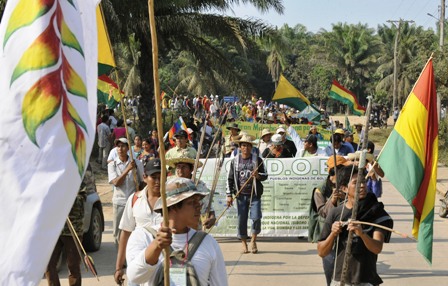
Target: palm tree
354	50
184	26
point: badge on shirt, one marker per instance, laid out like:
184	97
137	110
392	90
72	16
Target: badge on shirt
178	275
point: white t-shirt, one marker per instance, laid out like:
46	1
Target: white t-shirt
122	192
140	214
208	260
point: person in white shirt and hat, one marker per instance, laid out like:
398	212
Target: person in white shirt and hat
265	139
144	251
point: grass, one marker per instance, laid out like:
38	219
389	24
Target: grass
379	136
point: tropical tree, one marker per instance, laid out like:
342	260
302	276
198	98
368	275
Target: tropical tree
184	26
414	47
354	50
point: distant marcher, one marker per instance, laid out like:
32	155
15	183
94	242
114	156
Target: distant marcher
313	131
276	148
348	138
289	144
395	115
336	141
104	142
131	130
265	139
137	147
310	148
234	131
181	148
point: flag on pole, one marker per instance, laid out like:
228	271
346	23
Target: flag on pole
48	57
177	126
108	92
106	61
339	93
347	124
409	157
287	94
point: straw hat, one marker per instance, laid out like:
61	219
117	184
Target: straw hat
182	159
177	190
245	138
265	131
355	156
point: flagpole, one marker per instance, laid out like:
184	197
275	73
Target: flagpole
362	163
424	68
131	154
155	63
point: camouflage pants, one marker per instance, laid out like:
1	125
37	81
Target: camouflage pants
67	244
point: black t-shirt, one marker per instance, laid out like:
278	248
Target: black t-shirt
291	147
362	264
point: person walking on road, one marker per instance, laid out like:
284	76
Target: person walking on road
247	171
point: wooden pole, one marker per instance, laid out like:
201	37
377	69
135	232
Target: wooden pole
131	154
155	64
348	249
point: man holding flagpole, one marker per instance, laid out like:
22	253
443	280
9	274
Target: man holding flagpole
121	176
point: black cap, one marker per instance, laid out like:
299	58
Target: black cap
311	139
152	166
181	133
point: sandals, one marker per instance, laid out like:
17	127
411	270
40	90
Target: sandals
244	250
253	246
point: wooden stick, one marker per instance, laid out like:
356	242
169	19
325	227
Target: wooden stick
404	235
213	142
131	154
198	155
240	190
155	63
348	249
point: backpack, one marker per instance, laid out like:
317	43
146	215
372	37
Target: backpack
177	257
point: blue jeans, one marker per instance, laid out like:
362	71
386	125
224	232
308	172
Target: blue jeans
244	205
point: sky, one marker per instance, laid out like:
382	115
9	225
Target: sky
317	14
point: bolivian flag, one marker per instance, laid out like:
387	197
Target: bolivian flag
339	93
287	94
108	92
409	158
107	89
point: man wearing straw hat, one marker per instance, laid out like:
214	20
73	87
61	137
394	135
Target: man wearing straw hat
265	139
367	241
184	167
244	181
229	139
144	251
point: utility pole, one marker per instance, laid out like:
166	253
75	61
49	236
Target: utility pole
396	23
442	24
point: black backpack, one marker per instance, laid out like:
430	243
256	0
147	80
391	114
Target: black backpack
178	256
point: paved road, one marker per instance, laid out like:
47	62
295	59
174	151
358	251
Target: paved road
290	261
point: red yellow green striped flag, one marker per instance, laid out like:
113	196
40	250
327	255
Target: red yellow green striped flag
409	158
339	93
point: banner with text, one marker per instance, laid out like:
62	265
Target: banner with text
255	129
285	201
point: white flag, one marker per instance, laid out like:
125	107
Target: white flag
48	77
